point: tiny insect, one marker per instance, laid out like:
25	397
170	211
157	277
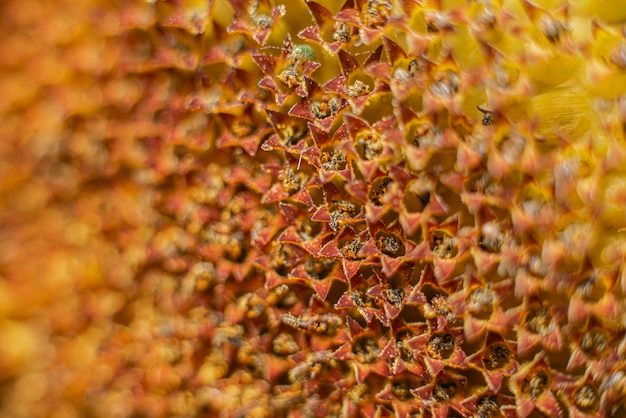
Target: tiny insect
297	52
487	115
302	53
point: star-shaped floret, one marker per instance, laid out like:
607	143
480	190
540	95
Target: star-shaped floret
479	191
347	247
372	144
370	16
295	234
398	393
533	387
339	210
488	404
320	273
289	73
279	262
292	186
341	32
480	304
444	394
438	349
533	210
243	129
420	202
433	299
358	399
367	306
270	65
389	246
592	296
227	240
496	360
384	195
507	148
392	299
363	350
491	242
593	346
446	87
331	155
582	396
398	353
232	49
321	109
264	232
572	239
354	84
422	140
256	19
334	163
447	246
530	272
403	75
540	325
289	133
302	230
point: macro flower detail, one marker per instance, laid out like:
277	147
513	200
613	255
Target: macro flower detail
533	386
308	208
487	404
496	361
364	352
444	395
540	327
480	306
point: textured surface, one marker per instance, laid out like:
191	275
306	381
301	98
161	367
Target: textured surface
233	208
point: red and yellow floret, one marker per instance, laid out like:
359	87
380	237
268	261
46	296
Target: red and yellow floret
262	208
